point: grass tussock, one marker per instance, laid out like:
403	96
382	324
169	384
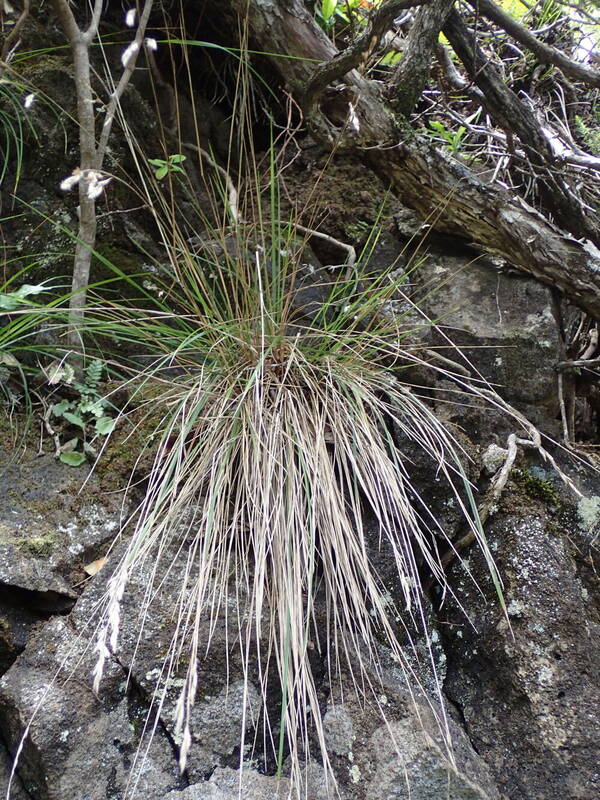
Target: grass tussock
277	432
278	418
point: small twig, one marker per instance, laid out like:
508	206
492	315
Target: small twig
535	437
580	362
350	259
563	411
592	345
453	76
500	479
579	160
492	497
448	362
116	211
52	433
232	195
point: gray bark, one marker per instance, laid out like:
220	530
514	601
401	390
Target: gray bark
91	154
412	73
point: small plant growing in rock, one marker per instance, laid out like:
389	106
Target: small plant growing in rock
538	487
449	138
89	410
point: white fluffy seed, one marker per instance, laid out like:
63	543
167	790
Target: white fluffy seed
71	180
128	53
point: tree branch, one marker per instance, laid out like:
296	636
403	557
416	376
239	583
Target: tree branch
91	156
378	23
92	30
13	36
123	82
545	53
515	117
426	179
67	19
86	235
412	73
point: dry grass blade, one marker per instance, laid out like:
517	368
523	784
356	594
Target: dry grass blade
278	433
262	476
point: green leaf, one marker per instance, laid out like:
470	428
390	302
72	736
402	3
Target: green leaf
11	300
8	302
160	173
104	425
177	158
94	407
58	409
27	289
157	162
391	59
75	419
93	373
72	459
83	389
328	9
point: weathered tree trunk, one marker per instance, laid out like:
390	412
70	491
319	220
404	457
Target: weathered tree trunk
453	197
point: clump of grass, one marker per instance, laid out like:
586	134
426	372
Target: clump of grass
277	432
275	428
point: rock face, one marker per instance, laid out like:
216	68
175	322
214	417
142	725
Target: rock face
79	745
67	721
406	757
530	678
502	324
47	536
48	685
527	684
225	784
